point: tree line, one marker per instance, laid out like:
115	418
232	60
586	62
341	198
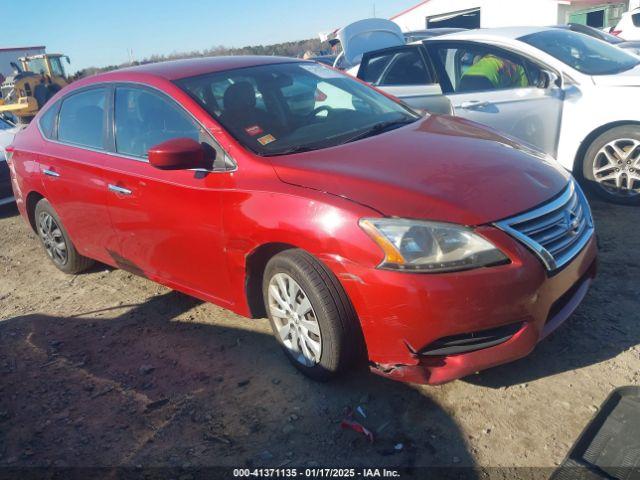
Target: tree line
286	49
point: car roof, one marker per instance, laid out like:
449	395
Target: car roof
192	67
435	31
504	32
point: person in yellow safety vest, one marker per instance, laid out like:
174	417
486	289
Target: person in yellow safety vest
499	72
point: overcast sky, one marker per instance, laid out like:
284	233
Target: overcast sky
100	33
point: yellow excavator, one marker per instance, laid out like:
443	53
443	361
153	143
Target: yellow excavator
36	79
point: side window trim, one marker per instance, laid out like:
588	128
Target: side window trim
221	155
100	86
422	53
433	47
110	137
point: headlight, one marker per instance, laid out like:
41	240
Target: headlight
430	246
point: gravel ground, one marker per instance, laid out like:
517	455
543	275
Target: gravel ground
109	369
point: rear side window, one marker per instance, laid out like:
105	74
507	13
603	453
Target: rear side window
81	119
396	68
144	119
636	19
48	121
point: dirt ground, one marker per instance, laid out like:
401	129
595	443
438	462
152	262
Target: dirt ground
108	369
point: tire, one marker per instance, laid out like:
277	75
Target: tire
56	242
339	333
627	140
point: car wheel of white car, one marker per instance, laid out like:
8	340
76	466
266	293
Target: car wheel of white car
310	314
611	166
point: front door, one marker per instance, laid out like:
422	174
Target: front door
501	89
167	224
405	73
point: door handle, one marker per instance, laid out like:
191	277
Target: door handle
117	189
474	105
50	173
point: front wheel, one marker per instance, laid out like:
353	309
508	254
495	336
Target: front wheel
310	315
611	165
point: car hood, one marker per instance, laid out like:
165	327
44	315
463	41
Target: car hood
630	78
439	168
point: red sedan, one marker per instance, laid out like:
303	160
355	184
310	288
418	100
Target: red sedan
431	245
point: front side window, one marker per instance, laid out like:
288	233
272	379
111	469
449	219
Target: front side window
475	68
397	68
144	119
81	118
278	109
585	54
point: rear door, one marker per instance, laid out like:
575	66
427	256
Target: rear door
404	72
75	130
167	224
501	89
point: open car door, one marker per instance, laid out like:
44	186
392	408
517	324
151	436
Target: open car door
406	73
483	83
502	89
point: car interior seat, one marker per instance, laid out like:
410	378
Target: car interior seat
475	83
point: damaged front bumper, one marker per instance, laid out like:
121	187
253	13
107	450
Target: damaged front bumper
431	329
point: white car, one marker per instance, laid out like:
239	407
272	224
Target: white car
7	132
629	25
569	95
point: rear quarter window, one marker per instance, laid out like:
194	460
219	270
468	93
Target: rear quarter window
48	121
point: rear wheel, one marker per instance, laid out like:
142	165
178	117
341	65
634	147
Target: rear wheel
611	165
310	315
56	242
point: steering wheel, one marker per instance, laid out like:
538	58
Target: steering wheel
317	110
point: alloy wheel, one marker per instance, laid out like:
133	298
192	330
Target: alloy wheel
616	167
52	238
295	320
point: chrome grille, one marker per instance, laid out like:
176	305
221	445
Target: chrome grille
556	231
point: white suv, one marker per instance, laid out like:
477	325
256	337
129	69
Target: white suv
629	25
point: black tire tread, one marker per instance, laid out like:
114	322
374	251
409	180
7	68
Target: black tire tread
76	263
336	305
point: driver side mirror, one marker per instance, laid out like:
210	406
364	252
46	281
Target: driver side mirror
180	154
550	80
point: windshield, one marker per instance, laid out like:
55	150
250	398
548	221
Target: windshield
585	54
37	65
283	108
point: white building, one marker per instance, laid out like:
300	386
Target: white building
8	55
508	13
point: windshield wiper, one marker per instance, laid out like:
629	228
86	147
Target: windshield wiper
289	151
380	128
